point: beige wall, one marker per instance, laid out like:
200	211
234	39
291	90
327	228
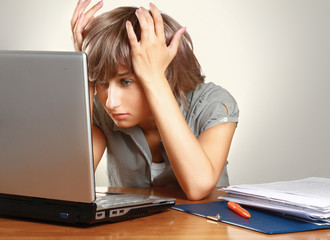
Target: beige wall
272	55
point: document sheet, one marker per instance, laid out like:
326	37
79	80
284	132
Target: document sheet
307	199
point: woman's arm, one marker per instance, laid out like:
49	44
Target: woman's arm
197	163
78	23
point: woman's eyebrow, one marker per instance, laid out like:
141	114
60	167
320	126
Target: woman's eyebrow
124	74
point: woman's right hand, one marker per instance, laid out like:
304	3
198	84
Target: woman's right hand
80	20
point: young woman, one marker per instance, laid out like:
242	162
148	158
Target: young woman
160	123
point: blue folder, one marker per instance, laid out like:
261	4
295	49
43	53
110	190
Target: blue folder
260	221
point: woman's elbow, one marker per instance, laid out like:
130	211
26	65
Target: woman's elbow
196	193
195	197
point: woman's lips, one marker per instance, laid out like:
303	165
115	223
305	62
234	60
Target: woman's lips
119	116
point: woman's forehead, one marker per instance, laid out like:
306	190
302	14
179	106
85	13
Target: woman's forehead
123	70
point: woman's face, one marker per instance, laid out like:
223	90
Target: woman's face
124	100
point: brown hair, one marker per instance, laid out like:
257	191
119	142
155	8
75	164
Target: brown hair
107	47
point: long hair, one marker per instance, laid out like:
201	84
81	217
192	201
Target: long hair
107	47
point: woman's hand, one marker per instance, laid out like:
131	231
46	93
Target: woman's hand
151	56
80	20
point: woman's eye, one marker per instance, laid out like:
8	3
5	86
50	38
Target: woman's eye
126	82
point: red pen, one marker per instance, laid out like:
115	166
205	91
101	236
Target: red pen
238	209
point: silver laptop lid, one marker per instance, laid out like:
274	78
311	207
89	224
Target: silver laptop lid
45	134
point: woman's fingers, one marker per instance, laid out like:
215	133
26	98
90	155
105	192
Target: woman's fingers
147	16
144	24
131	35
175	42
77	34
152	32
158	21
83	7
80	8
80	20
75	14
89	15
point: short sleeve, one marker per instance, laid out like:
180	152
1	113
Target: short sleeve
210	105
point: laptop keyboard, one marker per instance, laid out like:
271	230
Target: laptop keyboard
114	205
107	201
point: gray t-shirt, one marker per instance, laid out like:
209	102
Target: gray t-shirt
128	154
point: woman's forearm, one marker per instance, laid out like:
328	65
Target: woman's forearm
191	165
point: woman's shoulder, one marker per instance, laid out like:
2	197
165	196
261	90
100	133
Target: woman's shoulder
210	93
209	105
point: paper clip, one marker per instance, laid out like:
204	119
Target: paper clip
215	218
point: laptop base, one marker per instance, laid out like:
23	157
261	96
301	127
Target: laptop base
69	212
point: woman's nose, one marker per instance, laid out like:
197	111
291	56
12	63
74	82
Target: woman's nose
113	99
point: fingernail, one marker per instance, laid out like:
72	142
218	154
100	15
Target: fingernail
100	3
138	11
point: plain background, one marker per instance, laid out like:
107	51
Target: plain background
272	55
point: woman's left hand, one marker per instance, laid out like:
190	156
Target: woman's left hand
151	56
80	20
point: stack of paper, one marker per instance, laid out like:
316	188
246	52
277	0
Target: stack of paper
307	199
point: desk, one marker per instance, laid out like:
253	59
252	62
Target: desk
170	224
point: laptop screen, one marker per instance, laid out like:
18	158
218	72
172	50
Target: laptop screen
45	134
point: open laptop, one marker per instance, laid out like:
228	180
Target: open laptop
46	158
